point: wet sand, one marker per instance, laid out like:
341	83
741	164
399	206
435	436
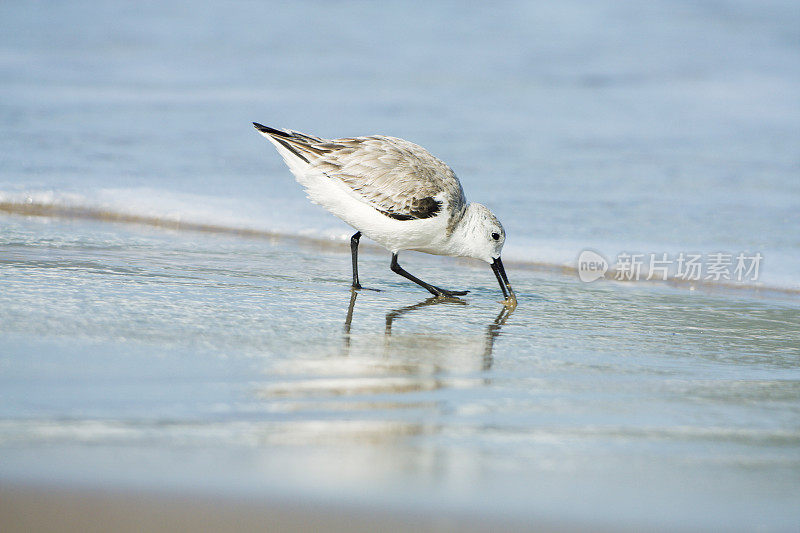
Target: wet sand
26	509
165	364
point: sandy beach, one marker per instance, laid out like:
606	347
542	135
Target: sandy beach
25	509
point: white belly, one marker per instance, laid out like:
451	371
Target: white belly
428	235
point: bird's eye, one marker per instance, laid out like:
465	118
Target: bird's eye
496	236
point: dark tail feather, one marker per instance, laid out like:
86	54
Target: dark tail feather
292	135
302	145
271	131
285	138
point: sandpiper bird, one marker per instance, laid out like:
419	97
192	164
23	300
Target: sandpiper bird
397	194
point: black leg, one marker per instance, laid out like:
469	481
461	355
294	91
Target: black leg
436	291
354	251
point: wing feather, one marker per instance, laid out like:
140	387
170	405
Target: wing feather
398	178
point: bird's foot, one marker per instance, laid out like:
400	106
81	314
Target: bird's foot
448	294
358	287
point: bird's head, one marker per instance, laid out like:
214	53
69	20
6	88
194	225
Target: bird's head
481	236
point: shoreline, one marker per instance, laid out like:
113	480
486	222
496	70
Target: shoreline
45	210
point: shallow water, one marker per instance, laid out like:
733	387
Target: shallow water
236	360
138	356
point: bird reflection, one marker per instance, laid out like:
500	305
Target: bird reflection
492	330
349	319
397	313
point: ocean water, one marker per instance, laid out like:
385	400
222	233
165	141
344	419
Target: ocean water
174	312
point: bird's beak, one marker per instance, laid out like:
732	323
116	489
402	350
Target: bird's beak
502	279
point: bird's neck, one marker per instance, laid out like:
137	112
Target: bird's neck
460	242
